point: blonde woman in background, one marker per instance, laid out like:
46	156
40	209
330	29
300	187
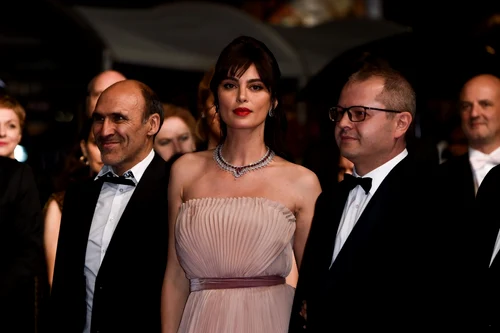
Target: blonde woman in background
12	118
176	136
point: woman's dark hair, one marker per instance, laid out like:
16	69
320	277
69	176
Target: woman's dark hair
73	169
233	61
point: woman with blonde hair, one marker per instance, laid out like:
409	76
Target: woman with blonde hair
12	118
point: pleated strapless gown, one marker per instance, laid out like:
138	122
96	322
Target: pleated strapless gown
235	238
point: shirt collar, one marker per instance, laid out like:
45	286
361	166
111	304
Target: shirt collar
137	170
378	175
476	153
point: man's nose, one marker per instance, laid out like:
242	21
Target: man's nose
344	120
474	112
107	128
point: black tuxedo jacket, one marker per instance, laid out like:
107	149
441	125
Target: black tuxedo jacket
21	253
466	233
128	286
487	226
381	278
458	181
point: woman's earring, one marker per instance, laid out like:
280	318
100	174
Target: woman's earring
203	115
271	113
84	160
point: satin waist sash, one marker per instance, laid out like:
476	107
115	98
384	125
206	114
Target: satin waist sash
231	283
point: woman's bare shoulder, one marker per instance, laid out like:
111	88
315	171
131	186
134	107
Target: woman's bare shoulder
299	173
192	162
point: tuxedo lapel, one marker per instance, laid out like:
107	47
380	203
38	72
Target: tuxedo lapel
135	211
465	177
491	237
86	213
332	213
374	212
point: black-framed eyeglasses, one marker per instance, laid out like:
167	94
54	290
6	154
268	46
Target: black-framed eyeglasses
356	113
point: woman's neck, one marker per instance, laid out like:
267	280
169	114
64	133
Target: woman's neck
212	142
242	150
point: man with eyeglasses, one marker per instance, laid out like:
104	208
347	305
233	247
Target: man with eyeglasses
370	254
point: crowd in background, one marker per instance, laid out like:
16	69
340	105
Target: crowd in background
222	229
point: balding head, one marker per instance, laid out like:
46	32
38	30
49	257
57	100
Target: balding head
480	112
126	119
98	84
482	81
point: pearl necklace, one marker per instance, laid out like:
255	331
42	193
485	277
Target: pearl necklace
239	171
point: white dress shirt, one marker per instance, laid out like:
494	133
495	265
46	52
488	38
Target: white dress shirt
358	199
482	164
110	206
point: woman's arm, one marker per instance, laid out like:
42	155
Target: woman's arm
293	277
175	289
52	222
309	189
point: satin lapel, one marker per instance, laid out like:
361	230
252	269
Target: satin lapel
85	214
491	220
466	177
335	210
144	195
375	210
493	230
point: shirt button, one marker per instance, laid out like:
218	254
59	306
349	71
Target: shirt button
121	190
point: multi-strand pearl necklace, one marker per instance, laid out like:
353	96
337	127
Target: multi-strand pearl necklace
239	171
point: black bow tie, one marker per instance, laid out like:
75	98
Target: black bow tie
126	179
351	182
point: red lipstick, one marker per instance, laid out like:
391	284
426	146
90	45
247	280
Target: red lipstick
242	112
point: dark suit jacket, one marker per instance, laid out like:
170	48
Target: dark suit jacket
465	232
128	286
457	178
21	252
381	278
487	226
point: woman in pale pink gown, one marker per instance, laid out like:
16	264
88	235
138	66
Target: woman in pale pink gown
239	214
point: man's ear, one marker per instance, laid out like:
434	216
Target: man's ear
403	122
154	124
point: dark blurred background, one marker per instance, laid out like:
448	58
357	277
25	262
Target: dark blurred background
51	50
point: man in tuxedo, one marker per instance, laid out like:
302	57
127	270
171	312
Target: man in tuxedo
488	268
368	257
479	109
20	245
460	178
112	247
